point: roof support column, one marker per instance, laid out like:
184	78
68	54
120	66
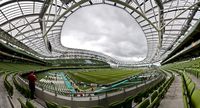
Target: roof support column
43	25
161	22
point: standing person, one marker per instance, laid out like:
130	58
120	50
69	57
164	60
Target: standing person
32	79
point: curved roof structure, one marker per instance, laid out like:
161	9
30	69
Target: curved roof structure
37	24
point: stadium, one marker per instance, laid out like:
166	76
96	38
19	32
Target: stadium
31	32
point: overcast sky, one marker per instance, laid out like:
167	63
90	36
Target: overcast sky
105	29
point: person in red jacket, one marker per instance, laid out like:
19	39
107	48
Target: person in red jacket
32	78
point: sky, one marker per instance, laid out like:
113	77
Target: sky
105	29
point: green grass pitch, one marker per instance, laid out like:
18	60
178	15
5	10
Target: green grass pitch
102	76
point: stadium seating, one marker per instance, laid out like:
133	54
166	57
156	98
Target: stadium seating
8	86
97	107
117	104
78	62
195	99
54	105
188	88
28	104
191	94
128	102
61	89
51	104
152	96
22	104
157	95
144	104
157	92
19	67
194	71
155	99
22	89
191	88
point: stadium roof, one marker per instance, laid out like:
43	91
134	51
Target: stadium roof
38	25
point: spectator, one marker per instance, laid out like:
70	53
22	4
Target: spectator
32	79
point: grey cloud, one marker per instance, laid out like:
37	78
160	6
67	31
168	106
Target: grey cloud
110	29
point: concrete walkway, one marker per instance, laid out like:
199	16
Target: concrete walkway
4	102
173	98
17	94
195	80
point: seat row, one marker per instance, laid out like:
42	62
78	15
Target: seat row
60	88
7	85
194	71
54	105
22	89
154	99
191	95
127	102
28	104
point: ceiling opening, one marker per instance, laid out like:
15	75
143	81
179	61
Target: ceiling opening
105	29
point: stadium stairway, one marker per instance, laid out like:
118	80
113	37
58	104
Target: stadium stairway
191	92
4	101
157	93
7	101
17	94
173	98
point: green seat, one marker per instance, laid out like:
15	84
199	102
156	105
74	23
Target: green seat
160	89
22	104
29	104
185	102
185	76
154	95
68	107
128	102
162	93
138	97
195	99
165	83
51	104
155	102
188	81
169	84
117	104
97	107
191	88
144	104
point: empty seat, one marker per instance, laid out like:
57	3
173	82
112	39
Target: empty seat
195	99
128	102
96	107
117	104
154	95
155	100
144	104
51	104
22	104
191	88
188	81
160	89
29	104
185	102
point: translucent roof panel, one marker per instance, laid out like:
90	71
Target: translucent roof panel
164	23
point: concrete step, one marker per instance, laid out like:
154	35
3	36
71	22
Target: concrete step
173	98
4	101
